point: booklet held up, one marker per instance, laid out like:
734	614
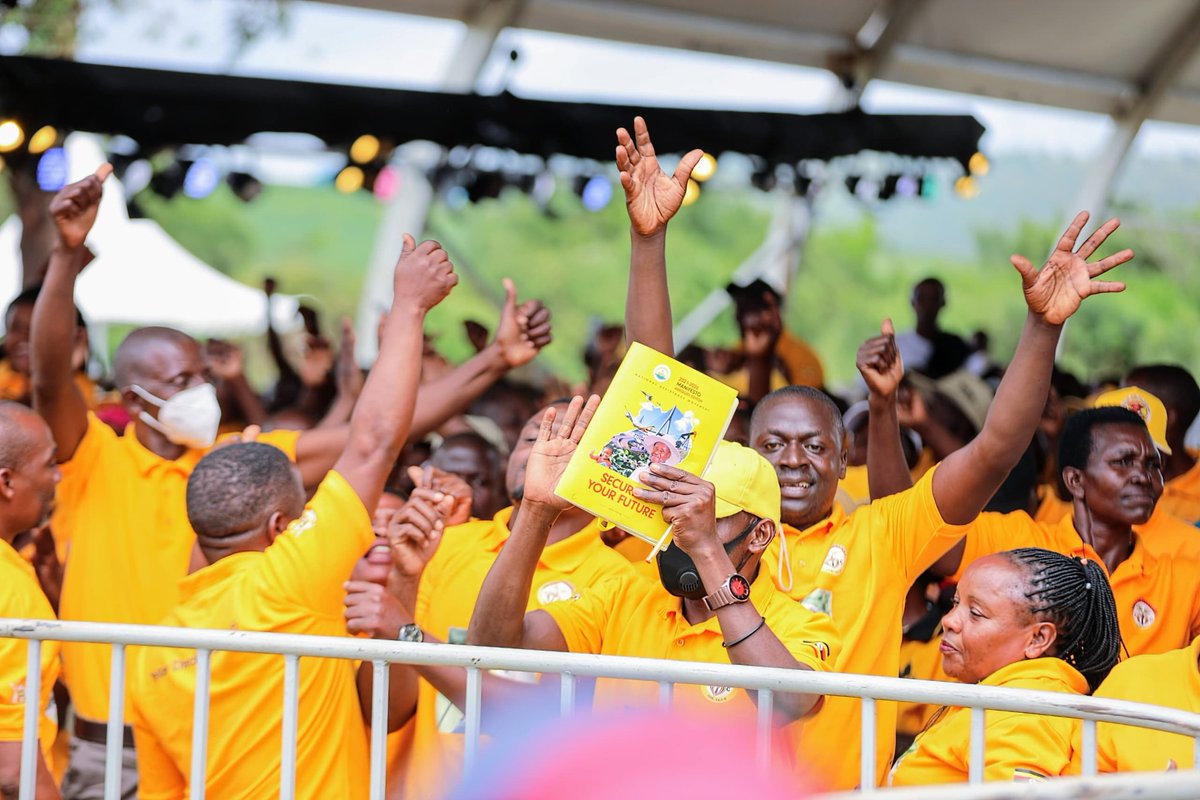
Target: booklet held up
656	410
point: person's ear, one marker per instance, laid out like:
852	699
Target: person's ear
1073	479
277	523
7	490
844	457
761	536
1041	639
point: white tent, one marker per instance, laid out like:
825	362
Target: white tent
141	276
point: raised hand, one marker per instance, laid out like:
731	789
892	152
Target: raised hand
689	504
553	449
373	610
1056	291
415	531
74	207
523	330
651	196
225	359
423	276
449	485
879	362
349	377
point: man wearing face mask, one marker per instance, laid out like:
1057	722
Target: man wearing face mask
714	603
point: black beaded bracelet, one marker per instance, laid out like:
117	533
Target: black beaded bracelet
762	621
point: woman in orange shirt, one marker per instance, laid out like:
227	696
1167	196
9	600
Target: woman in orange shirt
1031	619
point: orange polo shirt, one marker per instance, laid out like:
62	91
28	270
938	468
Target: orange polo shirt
920	661
21	597
445	602
294	586
1165	679
124	511
1181	496
630	616
857	568
1020	747
1155	588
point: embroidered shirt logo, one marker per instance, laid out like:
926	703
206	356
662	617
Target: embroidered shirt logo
717	694
1143	614
554	592
835	560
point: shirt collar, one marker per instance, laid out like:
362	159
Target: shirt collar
1141	559
147	461
837	516
1047	668
9	555
216	573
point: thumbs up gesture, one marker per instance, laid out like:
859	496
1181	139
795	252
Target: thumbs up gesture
423	276
524	329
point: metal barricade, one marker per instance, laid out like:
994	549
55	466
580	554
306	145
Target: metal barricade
764	681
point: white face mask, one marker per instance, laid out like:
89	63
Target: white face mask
189	418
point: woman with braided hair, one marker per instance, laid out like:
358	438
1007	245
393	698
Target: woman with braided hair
1030	619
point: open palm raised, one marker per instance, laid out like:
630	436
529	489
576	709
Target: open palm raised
1056	291
651	196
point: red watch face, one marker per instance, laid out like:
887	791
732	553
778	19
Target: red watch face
739	587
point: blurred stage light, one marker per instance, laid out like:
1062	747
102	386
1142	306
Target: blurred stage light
457	197
43	139
137	176
979	165
349	180
597	193
364	149
907	186
867	189
11	135
543	188
706	167
52	170
692	193
966	187
929	187
387	183
201	178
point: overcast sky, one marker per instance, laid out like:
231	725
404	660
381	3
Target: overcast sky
339	44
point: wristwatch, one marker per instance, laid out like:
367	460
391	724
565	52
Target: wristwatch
411	633
735	589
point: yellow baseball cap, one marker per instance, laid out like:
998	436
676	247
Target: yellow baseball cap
1145	405
744	481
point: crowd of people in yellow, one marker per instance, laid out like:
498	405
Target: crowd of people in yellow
1037	540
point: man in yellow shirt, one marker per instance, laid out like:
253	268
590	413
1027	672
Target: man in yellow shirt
122	498
1169	679
275	565
858	567
1180	395
1112	468
720	530
28	475
434	589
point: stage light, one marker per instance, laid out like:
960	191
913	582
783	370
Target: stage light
137	176
907	186
364	149
349	180
457	198
11	135
692	193
201	178
52	170
929	187
597	193
244	185
387	183
543	188
978	165
43	139
705	168
966	187
867	189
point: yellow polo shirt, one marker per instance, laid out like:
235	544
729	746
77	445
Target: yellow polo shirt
124	511
1158	607
21	597
445	602
1020	747
1165	679
857	568
294	586
630	616
1181	496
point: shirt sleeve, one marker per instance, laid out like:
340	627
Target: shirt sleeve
810	637
86	459
285	440
584	617
914	527
309	562
1029	747
158	777
12	690
992	532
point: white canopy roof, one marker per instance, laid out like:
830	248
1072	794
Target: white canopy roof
1105	56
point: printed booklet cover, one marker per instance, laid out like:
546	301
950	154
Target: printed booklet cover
655	411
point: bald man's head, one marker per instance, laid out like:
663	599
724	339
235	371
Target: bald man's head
151	353
28	470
